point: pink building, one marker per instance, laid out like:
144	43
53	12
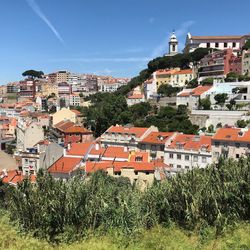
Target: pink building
219	64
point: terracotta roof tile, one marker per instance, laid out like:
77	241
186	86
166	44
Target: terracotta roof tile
232	134
64	165
191	142
79	148
157	138
129	130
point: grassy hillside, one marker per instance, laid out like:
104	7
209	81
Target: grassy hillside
157	238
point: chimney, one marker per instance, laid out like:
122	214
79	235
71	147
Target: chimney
64	152
125	149
69	146
97	146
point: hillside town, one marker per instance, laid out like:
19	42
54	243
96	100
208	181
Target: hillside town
42	121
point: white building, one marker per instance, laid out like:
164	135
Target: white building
74	100
172	45
186	152
215	42
28	134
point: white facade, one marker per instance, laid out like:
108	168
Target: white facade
28	134
215	42
74	100
181	159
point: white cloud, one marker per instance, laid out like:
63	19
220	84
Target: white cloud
163	47
34	6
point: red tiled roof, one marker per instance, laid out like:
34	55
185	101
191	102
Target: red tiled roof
157	137
183	72
232	134
191	142
64	165
143	155
76	111
138	96
62	125
14	177
117	166
79	148
196	91
129	130
110	152
77	129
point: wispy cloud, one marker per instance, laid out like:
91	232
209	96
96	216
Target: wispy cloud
182	30
103	59
151	20
34	6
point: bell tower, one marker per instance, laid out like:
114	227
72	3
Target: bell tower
173	44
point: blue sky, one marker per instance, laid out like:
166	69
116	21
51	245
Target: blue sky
109	37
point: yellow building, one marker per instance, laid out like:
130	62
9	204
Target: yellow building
174	77
64	114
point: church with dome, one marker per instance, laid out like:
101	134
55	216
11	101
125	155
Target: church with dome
172	45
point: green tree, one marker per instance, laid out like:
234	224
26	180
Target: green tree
241	124
205	103
207	81
168	90
221	99
33	73
246	45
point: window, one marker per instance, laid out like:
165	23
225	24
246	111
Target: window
171	165
136	172
171	156
178	156
153	147
173	47
225	45
208	45
204	159
26	161
217	144
186	167
195	158
234	44
186	157
147	173
248	145
178	166
237	156
237	145
162	147
216	45
143	146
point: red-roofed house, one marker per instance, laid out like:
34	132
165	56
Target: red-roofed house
125	136
141	173
13	177
231	142
155	142
65	167
188	152
67	132
190	97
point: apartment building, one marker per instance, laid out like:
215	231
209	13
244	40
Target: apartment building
29	133
231	143
219	64
125	136
155	143
186	152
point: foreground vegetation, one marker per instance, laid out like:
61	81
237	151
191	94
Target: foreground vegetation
215	198
156	238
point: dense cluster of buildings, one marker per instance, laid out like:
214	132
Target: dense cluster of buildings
59	143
